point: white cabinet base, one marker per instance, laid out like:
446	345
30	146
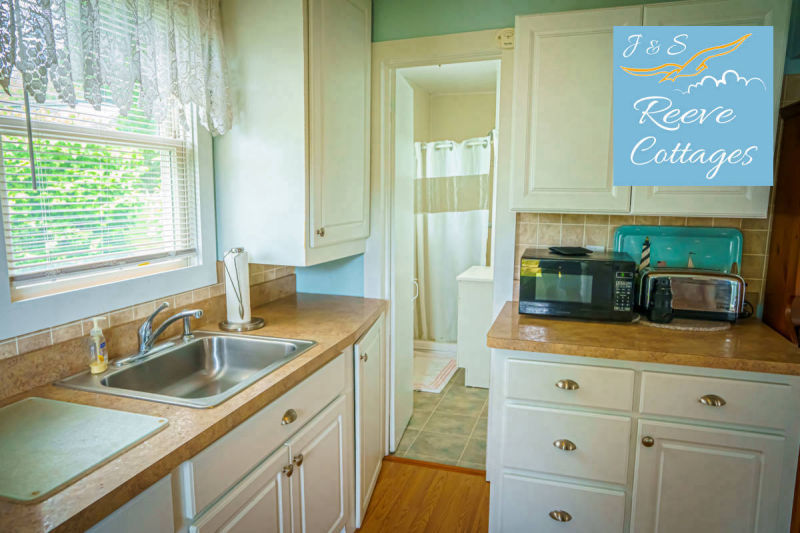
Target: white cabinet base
686	467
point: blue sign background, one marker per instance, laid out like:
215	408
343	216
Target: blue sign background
742	82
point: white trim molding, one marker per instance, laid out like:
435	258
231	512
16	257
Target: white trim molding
387	57
25	316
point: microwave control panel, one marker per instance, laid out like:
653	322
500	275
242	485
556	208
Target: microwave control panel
623	291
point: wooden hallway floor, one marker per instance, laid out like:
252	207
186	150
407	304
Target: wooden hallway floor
418	496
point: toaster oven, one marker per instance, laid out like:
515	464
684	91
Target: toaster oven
700	294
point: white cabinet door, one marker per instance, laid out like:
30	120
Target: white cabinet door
319	481
561	145
370	438
339	44
717	201
259	503
705	480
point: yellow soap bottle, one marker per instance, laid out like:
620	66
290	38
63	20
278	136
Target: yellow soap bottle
98	353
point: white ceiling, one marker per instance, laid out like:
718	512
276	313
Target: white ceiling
473	77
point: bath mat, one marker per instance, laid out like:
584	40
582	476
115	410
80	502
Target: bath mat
431	373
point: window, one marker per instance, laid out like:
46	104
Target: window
106	170
95	196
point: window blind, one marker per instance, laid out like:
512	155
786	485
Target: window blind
111	191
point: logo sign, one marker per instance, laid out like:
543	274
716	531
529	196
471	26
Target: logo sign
693	105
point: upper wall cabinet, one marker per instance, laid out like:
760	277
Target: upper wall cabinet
717	201
292	175
561	144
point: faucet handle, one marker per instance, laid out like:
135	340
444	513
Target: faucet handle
160	308
147	326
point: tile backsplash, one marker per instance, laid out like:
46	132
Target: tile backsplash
55	353
64	332
547	229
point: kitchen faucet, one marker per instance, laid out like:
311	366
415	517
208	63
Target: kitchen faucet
147	337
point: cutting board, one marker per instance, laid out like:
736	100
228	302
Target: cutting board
711	248
45	444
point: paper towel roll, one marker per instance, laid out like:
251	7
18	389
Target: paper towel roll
237	285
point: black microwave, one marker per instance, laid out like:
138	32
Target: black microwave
596	286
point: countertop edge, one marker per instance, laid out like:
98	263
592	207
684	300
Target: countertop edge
657	357
751	346
132	486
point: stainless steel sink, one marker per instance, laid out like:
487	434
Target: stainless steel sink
200	372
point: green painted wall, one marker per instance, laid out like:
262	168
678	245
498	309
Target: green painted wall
404	19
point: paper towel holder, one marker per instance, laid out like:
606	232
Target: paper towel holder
255	322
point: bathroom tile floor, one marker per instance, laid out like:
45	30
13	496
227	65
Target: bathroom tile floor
449	427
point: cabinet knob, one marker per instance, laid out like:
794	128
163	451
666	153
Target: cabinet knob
364	357
567	384
288	417
288	470
712	400
560	516
298	459
565	444
321	232
648	441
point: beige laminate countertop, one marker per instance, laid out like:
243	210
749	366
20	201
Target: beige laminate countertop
334	322
750	345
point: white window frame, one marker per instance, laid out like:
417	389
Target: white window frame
25	316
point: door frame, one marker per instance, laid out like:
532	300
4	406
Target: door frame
387	58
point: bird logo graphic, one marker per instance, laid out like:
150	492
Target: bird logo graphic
692	67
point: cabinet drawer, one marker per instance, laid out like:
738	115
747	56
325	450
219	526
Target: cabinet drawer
208	474
600	443
603	388
745	402
528	502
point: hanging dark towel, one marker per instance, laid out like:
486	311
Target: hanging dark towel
644	262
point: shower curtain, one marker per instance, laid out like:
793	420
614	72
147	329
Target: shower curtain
453	197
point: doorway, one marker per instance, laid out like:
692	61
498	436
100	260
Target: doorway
445	146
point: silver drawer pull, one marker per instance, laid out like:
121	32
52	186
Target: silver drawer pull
288	417
712	400
560	516
567	384
565	444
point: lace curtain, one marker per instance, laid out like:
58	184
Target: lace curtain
156	53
